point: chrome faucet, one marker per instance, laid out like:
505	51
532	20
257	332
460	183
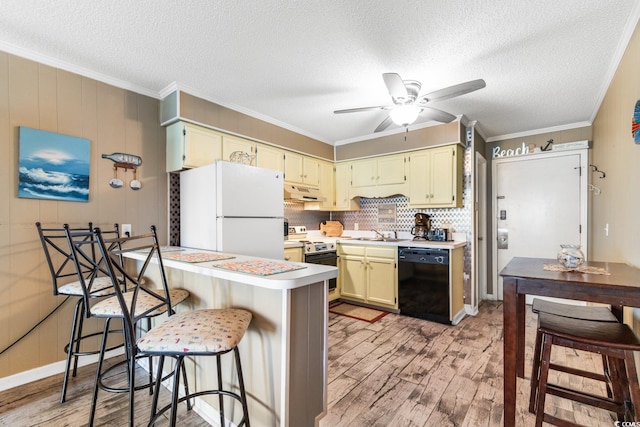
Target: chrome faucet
378	233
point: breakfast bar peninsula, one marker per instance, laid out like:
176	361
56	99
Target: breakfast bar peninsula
283	353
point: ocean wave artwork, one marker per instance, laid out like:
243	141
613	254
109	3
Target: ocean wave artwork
53	166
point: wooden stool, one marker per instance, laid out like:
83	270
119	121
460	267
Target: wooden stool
597	313
615	341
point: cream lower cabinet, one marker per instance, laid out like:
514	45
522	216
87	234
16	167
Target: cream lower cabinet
368	274
293	254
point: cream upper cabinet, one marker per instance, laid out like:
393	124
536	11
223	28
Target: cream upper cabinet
391	170
343	201
435	177
231	144
368	273
379	177
364	173
191	146
311	169
300	169
327	185
269	157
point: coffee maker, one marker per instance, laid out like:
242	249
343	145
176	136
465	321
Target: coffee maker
422	226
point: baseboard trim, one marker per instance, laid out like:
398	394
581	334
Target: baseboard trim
46	371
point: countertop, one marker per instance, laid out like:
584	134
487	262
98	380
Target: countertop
407	243
310	274
354	237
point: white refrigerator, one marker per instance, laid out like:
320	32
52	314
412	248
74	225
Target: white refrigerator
234	208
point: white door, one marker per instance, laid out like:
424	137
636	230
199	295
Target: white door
539	204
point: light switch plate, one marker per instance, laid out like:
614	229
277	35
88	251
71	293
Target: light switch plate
126	228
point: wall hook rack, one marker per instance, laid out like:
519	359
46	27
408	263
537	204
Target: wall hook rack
594	168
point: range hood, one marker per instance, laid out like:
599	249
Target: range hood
297	193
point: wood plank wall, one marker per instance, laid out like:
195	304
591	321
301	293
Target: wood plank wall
114	120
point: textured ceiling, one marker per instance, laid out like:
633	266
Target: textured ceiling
547	64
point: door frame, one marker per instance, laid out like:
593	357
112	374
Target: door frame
479	260
584	204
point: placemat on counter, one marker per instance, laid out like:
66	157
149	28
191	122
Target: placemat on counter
587	269
258	267
196	256
164	249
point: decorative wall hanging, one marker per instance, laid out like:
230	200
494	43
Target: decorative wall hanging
53	166
124	161
635	123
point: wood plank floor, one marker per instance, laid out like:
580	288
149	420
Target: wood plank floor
398	371
401	371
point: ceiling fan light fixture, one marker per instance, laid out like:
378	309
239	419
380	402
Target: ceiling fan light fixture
404	115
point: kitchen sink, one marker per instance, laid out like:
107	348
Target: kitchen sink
378	239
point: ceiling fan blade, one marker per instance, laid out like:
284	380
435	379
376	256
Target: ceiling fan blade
357	110
453	91
437	115
385	124
396	86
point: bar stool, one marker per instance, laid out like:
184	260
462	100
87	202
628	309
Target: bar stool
132	306
595	313
59	260
615	341
206	332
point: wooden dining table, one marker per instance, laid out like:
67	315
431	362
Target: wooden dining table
527	276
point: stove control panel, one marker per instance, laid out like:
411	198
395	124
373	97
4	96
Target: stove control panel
297	229
315	247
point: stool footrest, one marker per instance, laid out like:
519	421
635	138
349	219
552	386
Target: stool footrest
578	372
586	398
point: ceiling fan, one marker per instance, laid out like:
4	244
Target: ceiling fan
408	104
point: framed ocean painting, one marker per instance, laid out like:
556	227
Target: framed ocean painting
53	166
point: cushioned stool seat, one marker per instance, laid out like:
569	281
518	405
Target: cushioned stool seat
615	341
586	312
199	331
146	303
207	332
595	313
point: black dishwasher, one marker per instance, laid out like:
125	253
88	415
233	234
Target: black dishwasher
423	283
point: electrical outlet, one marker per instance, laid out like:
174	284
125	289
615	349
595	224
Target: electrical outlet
126	230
